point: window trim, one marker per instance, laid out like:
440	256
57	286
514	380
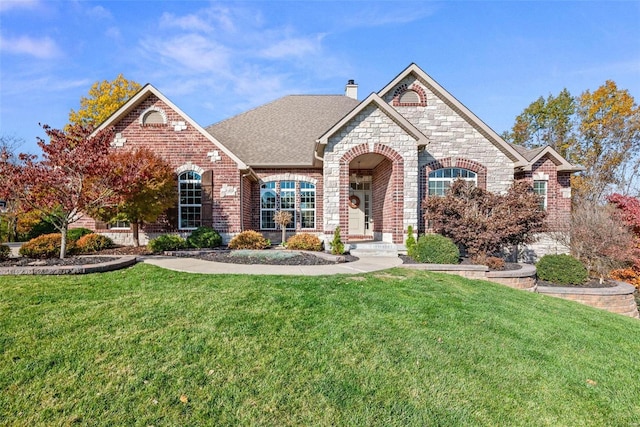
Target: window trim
189	205
450	180
297	186
543	205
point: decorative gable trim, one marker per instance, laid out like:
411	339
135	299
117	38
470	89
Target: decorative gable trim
562	165
143	94
518	160
401	92
143	117
379	103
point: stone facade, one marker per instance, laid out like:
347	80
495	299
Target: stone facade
409	129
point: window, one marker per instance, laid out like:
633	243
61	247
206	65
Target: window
540	188
119	225
267	205
440	179
296	197
190	200
307	205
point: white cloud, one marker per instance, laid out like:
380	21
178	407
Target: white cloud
42	48
18	4
293	47
188	22
99	12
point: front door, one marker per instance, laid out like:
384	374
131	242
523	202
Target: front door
360	209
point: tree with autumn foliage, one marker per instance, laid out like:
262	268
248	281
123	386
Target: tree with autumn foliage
598	130
629	211
104	99
147	187
546	122
9	200
73	177
483	222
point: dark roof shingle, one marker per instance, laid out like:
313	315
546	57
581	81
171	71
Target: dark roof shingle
283	132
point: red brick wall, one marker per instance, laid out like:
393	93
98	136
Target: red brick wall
180	148
558	207
382	196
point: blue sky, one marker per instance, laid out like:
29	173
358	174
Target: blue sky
217	59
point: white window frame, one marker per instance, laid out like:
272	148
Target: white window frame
454	174
309	188
541	190
268	188
197	182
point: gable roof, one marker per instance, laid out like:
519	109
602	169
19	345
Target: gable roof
534	154
148	90
458	107
379	103
282	132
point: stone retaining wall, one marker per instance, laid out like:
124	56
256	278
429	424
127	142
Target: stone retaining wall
618	299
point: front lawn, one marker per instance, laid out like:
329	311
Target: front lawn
146	346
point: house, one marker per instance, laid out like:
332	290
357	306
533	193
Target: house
331	160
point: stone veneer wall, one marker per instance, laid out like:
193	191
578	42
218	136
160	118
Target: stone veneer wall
371	131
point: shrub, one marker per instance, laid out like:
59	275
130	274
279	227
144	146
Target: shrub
249	240
562	269
493	262
435	249
45	246
484	222
5	252
93	243
167	242
76	233
337	247
411	241
304	242
204	237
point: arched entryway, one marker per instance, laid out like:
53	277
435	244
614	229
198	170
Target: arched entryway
371	186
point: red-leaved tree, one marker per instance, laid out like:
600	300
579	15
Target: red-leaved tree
629	211
483	222
146	186
73	177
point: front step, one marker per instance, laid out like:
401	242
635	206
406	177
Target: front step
373	249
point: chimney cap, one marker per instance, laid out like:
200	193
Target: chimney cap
351	82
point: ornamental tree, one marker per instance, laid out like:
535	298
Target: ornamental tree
629	211
146	188
103	100
485	223
73	177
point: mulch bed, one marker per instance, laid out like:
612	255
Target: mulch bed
300	259
72	260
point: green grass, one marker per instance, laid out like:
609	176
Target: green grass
145	346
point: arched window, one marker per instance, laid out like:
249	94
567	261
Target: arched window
440	179
190	200
409	97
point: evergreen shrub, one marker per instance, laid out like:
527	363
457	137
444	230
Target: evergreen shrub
435	249
204	237
167	242
337	247
76	233
562	270
45	246
93	243
249	240
304	242
5	252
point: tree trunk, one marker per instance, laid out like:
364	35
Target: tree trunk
135	228
63	242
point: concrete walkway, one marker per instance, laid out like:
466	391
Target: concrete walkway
194	265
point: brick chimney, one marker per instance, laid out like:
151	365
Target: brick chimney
351	90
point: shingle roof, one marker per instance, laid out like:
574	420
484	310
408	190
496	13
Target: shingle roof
527	153
283	132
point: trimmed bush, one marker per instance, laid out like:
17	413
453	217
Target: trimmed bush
76	233
93	243
337	247
304	242
561	269
167	242
204	237
5	252
435	249
494	263
249	240
411	240
45	246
